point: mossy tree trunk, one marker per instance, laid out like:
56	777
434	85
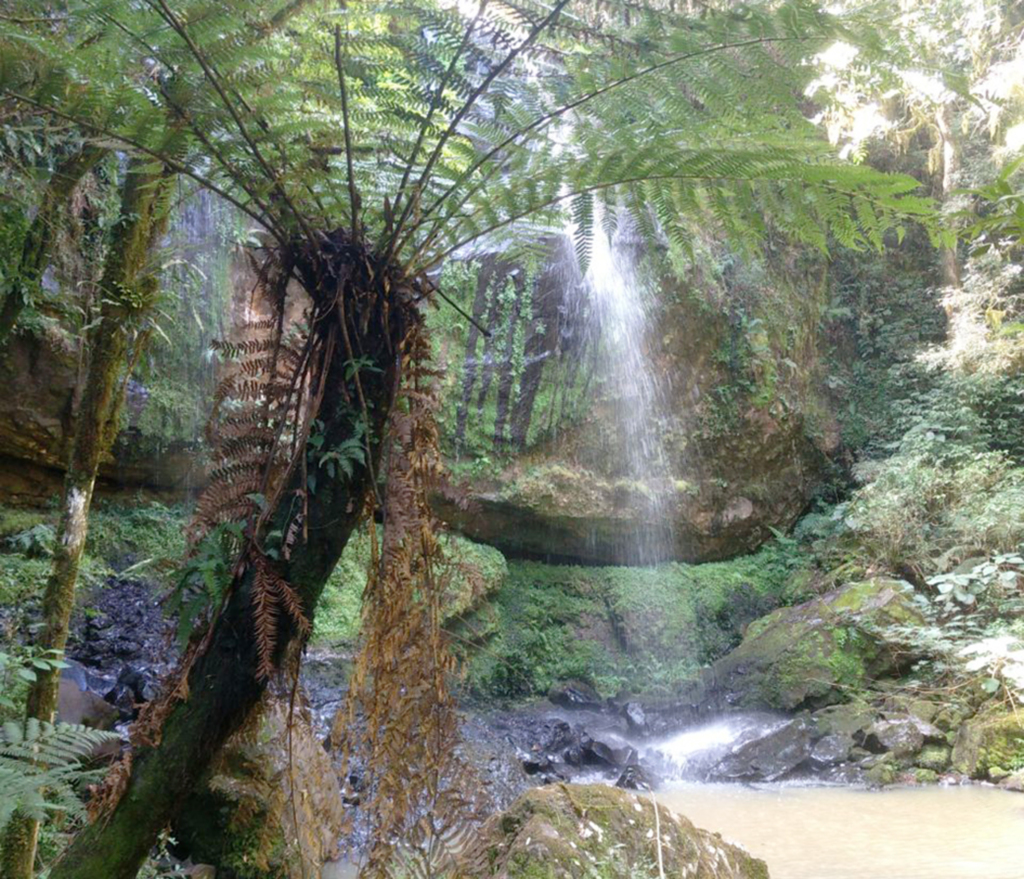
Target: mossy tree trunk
38	244
127	292
223	686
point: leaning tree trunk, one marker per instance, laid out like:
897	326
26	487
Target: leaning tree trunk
38	244
223	685
127	292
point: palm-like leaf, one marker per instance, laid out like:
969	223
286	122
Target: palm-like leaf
428	128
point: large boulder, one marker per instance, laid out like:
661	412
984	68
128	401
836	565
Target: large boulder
242	819
771	756
990	744
813	654
568	832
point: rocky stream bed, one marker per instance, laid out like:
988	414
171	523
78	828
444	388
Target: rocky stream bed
706	735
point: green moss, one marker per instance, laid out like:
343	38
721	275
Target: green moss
992	739
14	520
149	535
474	570
645	629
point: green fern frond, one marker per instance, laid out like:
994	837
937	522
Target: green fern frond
42	767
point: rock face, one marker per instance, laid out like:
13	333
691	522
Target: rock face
745	424
243	819
812	654
533	410
38	376
990	745
563	831
770	757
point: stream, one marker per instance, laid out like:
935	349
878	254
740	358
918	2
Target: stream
813	831
803	832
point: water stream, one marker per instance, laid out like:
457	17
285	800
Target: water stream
808	831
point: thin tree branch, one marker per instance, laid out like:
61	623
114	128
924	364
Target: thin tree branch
541	121
434	102
168	15
176	166
353	193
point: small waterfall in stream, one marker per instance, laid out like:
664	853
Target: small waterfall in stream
620	310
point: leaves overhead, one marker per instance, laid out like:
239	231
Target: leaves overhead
425	126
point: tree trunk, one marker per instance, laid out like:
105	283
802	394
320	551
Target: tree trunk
35	253
125	298
223	687
944	121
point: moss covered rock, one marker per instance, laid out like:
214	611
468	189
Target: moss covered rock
643	629
261	815
933	757
562	831
817	653
989	741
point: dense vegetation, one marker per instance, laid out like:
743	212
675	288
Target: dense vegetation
310	283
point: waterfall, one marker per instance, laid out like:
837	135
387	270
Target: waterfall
620	310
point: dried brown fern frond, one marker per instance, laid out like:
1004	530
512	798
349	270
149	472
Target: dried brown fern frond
419	796
271	594
257	410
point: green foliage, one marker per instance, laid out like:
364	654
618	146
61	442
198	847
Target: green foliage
150	536
204	578
640	628
34	542
1002	572
474	571
42	767
428	116
18	670
21	580
941	497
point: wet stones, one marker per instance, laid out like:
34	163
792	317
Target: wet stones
576	694
771	756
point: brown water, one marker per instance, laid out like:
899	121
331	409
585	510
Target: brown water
846	833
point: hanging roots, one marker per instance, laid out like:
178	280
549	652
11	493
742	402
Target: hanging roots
402	735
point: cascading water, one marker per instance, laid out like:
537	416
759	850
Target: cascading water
619	307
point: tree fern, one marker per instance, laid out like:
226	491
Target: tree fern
42	767
497	123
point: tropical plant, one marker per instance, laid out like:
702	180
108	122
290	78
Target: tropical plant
43	767
370	142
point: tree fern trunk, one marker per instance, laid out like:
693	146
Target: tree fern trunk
223	685
142	222
38	244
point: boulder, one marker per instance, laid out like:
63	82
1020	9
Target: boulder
830	750
1013	783
993	739
76	704
575	694
813	654
902	737
242	816
933	757
569	832
635	777
636	718
769	757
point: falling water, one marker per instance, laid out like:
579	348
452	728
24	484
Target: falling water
620	309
